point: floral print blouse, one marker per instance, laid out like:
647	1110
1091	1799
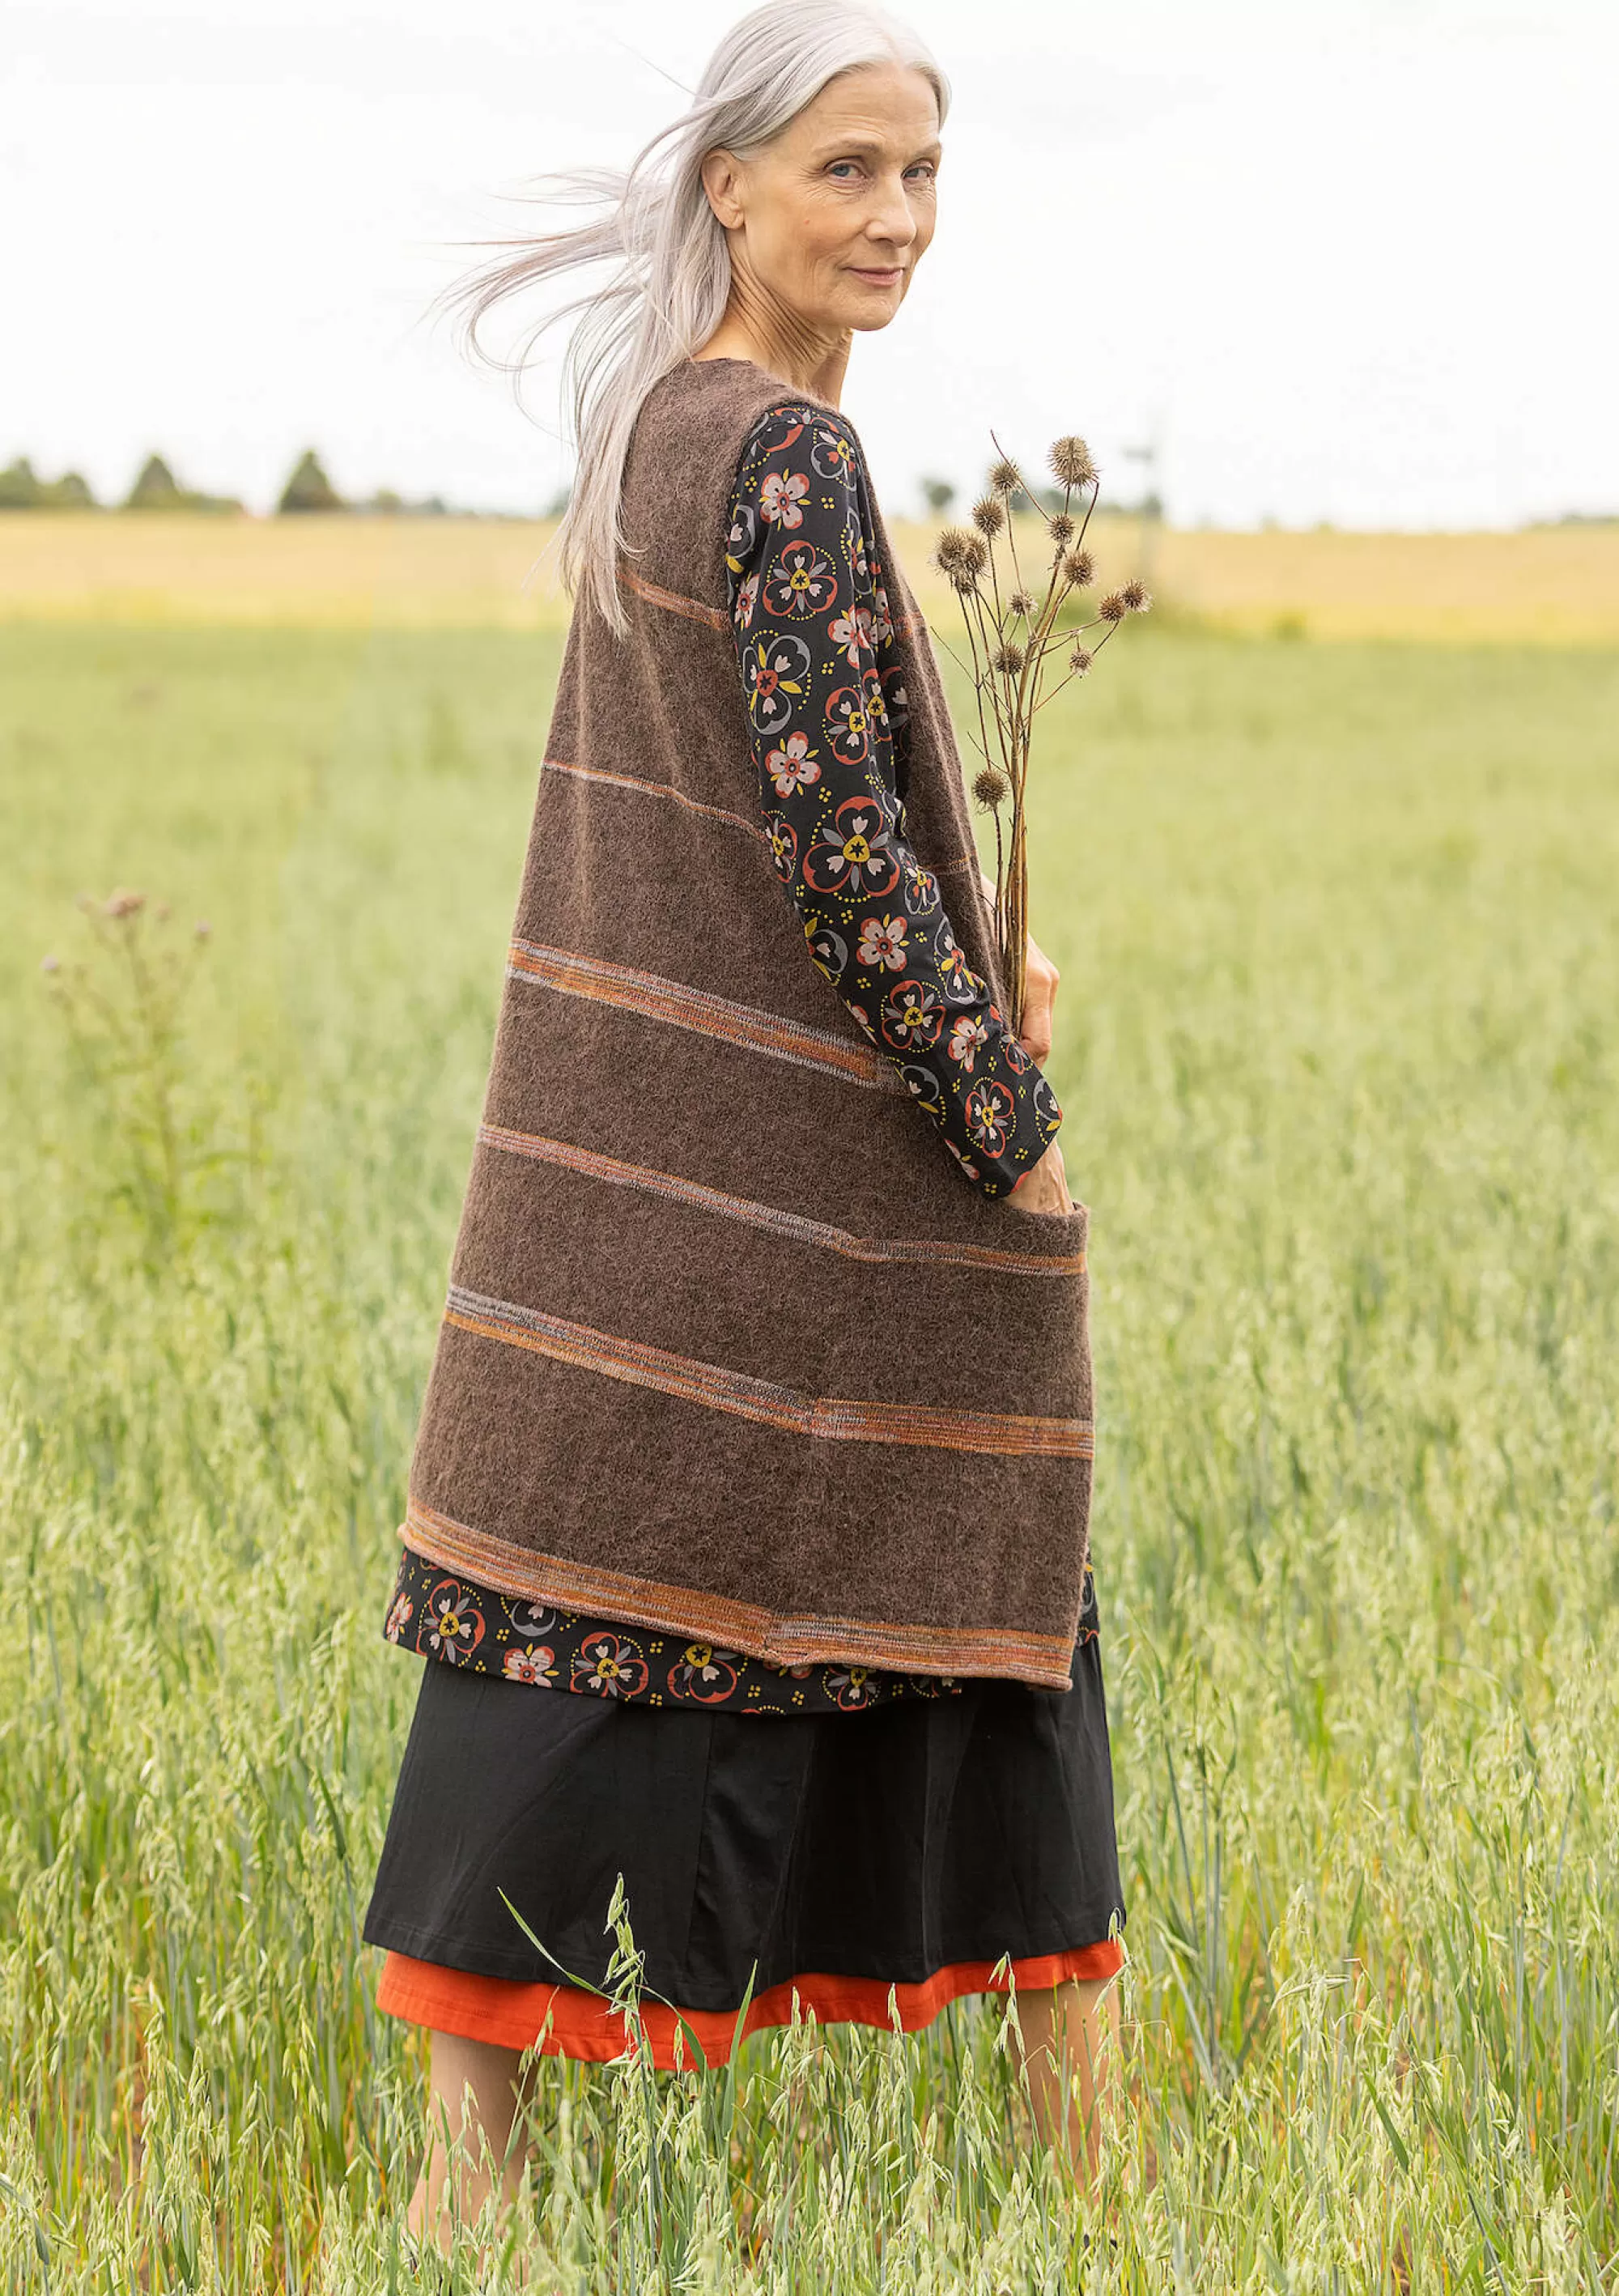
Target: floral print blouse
826	710
445	1616
826	706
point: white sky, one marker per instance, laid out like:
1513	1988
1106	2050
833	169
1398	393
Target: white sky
1348	259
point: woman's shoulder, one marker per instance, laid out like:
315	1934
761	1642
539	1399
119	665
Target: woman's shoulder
792	432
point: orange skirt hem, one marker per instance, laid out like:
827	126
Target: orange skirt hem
570	2022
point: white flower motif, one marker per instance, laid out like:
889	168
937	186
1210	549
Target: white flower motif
530	1665
780	496
853	632
792	767
882	942
967	1037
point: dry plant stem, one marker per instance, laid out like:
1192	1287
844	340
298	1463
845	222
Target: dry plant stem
1022	702
1011	534
1073	674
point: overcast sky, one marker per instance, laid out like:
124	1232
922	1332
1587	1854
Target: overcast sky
1345	259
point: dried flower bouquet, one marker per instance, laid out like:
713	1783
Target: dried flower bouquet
1014	632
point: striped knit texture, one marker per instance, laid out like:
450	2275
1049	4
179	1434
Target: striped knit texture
730	1345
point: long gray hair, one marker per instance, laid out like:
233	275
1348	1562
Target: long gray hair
667	292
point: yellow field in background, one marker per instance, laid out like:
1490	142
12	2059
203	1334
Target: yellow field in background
1556	586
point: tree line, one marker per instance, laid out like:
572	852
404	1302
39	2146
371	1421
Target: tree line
156	488
308	488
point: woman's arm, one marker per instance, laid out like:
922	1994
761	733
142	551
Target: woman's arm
810	616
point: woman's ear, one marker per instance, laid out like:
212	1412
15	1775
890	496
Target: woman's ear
722	180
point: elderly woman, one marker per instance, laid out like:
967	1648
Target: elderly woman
747	1539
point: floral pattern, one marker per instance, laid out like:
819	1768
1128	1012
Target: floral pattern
777	666
566	1651
823	671
801	582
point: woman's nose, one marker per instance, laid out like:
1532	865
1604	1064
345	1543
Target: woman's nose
891	221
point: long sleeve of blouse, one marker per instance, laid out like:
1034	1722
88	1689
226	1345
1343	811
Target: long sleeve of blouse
826	710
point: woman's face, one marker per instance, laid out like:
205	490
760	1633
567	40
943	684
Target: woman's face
830	220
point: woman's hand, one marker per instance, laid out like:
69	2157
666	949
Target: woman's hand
1039	999
1044	1187
1039	992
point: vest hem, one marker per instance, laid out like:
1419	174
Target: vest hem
801	1639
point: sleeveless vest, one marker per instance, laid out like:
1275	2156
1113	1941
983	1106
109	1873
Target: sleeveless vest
732	1347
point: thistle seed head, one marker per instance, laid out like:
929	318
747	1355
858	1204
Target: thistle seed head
1004	476
989	787
1137	597
1071	461
1079	662
988	516
1008	658
1113	608
1080	569
1060	529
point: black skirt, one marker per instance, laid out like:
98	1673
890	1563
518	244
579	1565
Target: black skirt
887	1845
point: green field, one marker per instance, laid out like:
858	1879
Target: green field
1339	934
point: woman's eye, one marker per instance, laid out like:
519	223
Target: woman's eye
844	169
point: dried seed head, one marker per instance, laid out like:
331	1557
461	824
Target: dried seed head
1021	603
989	787
1080	569
988	516
121	903
1071	461
1004	476
1008	658
1137	597
1060	529
1079	662
1113	608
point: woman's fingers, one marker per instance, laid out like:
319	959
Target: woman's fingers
1039	998
1040	978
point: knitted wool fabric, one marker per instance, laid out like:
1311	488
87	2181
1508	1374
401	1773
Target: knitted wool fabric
665	1388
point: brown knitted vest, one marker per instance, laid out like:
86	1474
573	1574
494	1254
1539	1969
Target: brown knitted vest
732	1347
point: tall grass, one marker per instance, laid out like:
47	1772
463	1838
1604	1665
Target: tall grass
1338	938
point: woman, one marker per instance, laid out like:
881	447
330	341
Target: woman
747	1539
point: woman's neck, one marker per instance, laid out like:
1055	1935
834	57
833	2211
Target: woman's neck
781	341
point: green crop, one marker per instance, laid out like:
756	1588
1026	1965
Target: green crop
1339	938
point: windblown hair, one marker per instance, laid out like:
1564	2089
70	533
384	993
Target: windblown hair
670	278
